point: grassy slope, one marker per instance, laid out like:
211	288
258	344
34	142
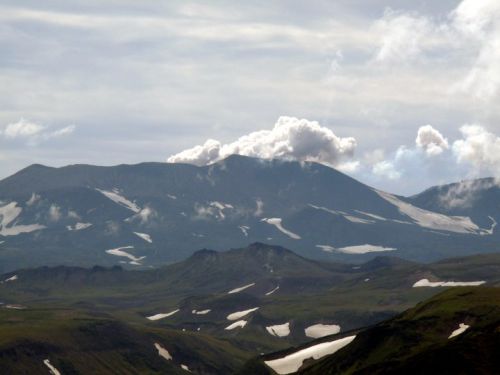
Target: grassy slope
417	341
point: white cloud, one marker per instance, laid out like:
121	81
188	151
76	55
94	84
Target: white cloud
22	129
291	138
402	35
478	147
387	169
464	193
431	140
33	132
478	22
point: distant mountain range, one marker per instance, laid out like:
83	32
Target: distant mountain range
155	213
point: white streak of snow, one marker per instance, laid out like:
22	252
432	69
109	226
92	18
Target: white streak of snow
433	284
240	314
121	200
144	236
462	327
52	369
272	291
238	324
276	221
162	316
292	362
237	290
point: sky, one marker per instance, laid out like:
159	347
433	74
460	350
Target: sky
400	95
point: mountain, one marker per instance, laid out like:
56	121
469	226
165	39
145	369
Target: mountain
454	332
151	214
478	199
239	303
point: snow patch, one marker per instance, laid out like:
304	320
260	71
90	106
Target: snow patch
237	290
321	330
363	249
462	327
201	312
327	248
162	352
10	279
78	226
276	221
373	216
433	284
492	228
144	236
244	229
292	362
115	196
432	220
238	324
240	314
120	253
279	330
358	220
272	291
8	214
52	369
162	315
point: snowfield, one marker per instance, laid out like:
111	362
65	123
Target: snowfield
434	284
162	352
279	330
8	214
238	324
52	369
115	196
321	330
120	253
462	327
240	314
276	221
432	220
292	362
144	236
237	290
162	316
363	249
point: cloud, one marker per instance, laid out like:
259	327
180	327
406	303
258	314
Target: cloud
431	140
33	132
402	36
464	193
291	138
387	169
22	129
478	23
479	148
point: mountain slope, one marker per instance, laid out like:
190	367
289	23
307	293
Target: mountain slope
282	298
154	213
454	332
